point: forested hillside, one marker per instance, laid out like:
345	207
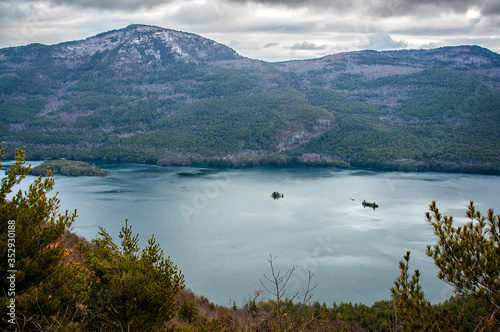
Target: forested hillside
149	94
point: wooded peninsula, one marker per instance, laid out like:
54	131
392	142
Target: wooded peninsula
67	167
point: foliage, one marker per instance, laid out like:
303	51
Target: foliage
187	311
409	299
468	257
48	292
116	287
67	167
379	316
131	289
17	110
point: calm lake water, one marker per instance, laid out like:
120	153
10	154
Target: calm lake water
220	225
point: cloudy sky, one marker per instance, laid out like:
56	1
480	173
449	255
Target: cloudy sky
271	30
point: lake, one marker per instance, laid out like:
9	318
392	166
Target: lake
220	225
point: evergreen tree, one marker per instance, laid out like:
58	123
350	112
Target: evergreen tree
468	258
131	290
412	307
39	290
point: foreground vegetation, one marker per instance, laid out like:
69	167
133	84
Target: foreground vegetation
64	283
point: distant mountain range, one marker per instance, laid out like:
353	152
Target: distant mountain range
149	94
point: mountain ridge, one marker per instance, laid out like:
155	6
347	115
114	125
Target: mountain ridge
150	94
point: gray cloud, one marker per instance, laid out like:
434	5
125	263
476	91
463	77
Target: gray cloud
387	8
126	5
113	4
373	8
435	31
9	11
278	26
382	41
426	6
299	3
491	8
273	44
197	13
307	46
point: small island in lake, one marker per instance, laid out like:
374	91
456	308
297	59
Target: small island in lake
369	204
277	194
67	167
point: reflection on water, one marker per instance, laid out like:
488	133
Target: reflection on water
219	225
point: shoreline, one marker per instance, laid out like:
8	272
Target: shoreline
217	164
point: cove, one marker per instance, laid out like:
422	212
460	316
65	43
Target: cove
220	225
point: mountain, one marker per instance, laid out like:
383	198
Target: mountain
149	94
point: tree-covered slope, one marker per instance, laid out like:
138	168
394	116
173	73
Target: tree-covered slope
150	94
444	120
